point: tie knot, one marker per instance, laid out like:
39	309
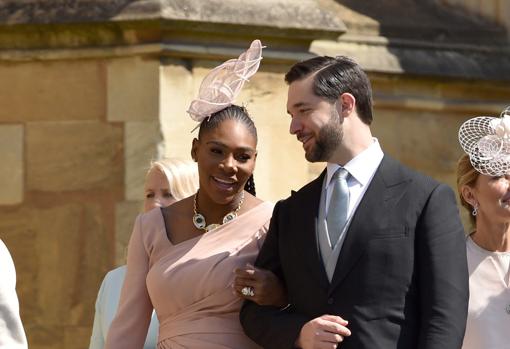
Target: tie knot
341	173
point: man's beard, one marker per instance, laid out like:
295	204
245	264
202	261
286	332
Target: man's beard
329	139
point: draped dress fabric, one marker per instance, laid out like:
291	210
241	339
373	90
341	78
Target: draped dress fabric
189	284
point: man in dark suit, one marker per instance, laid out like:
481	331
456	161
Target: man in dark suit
373	257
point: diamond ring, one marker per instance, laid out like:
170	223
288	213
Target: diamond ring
248	291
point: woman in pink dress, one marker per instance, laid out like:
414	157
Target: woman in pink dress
181	259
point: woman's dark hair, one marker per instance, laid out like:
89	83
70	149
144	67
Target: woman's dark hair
232	112
334	76
237	113
250	186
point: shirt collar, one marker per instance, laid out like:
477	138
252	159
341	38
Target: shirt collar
362	166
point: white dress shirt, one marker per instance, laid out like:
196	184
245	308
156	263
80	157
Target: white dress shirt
12	335
361	170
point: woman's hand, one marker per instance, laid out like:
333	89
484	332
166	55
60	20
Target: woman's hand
260	286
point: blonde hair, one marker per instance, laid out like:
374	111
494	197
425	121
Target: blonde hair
182	176
466	175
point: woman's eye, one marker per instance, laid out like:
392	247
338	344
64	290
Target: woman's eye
167	195
149	195
244	157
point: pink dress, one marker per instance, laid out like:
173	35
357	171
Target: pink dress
188	284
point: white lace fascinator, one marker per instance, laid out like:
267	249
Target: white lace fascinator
222	85
487	142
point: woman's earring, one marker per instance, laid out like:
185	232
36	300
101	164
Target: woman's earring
475	210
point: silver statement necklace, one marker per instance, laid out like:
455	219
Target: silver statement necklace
199	219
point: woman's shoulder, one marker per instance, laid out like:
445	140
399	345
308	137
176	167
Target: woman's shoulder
115	276
260	213
150	221
149	230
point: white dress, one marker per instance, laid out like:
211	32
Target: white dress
488	322
12	335
106	307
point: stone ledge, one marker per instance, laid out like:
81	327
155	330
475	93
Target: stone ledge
280	14
35	29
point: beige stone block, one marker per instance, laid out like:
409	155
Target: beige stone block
425	141
44	337
178	88
142	141
125	215
413	88
20	238
133	89
281	164
11	158
61	254
489	9
481	91
72	247
63	90
77	337
73	156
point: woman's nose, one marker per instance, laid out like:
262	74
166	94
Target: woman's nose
157	203
229	164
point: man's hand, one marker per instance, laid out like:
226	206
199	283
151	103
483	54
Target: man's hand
326	331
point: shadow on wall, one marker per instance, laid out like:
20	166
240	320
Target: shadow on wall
452	44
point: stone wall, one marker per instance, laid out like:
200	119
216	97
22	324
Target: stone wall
76	137
86	106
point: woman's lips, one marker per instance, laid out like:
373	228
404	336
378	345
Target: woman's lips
225	184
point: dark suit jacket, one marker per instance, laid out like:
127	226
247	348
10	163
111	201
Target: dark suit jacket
401	278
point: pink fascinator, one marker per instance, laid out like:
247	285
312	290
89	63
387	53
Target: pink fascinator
487	142
222	85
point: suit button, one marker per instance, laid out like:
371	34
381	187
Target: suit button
331	301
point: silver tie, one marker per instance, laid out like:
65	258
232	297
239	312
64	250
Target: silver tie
338	205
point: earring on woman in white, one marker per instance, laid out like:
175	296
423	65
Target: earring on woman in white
475	210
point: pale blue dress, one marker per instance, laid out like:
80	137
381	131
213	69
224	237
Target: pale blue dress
106	307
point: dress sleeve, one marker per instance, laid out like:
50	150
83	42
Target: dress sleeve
129	327
12	335
98	337
261	235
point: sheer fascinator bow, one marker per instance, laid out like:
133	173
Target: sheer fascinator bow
222	85
487	142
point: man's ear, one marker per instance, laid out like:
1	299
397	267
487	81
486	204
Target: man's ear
346	103
468	195
194	149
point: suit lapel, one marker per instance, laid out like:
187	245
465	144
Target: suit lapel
307	207
386	187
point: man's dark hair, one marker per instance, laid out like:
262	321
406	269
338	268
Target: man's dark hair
334	76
